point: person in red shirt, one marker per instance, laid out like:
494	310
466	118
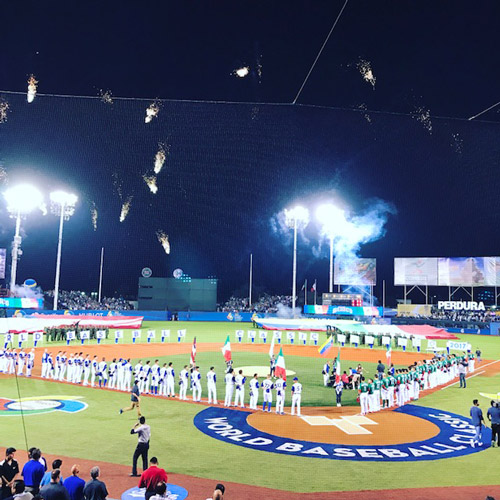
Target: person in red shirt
151	477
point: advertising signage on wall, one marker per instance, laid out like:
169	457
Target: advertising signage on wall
355	272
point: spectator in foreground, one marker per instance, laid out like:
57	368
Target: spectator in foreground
493	415
218	493
18	491
47	477
33	472
9	470
54	490
151	477
75	484
95	489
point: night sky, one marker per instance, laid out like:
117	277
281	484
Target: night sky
232	166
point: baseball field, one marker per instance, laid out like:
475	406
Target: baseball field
421	450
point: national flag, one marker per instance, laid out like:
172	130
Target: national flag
271	347
226	350
280	365
388	353
193	352
303	287
313	288
324	348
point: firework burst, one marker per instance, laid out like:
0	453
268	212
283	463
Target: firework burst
365	68
4	109
125	208
32	88
150	180
152	111
160	157
163	239
106	96
93	215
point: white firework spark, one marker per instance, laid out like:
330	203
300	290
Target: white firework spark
365	109
32	87
423	115
150	180
163	239
365	69
93	215
160	157
106	96
242	72
152	111
4	108
125	208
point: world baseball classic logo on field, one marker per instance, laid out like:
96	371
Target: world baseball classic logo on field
410	433
40	404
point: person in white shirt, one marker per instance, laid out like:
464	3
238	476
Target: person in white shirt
155	378
212	388
70	368
45	364
296	396
280	385
146	377
239	381
30	362
113	375
170	381
102	373
254	392
86	369
20	362
127	378
196	384
267	387
183	383
229	380
138	370
326	373
61	366
2	360
121	373
57	366
94	367
162	382
12	362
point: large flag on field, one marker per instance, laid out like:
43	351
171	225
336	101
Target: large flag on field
388	353
193	352
280	369
226	350
324	348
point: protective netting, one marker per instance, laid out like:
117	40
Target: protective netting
194	185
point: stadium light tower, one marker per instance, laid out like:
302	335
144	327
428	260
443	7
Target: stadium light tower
63	205
332	219
296	217
21	200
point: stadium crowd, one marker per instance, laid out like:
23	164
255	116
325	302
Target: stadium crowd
265	304
75	300
34	481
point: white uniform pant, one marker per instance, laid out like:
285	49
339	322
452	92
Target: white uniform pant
376	400
127	382
254	396
163	388
212	393
20	367
326	377
280	403
44	369
229	394
472	362
363	401
371	403
390	393
400	398
239	396
197	391
296	404
416	389
92	380
29	367
170	386
183	390
86	374
69	374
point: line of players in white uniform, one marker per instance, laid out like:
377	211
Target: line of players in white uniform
17	363
160	380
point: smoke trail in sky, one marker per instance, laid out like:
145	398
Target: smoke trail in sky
125	208
160	157
150	180
93	215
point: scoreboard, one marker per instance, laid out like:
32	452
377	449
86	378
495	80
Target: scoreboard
343	299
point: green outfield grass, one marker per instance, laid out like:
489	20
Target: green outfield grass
101	433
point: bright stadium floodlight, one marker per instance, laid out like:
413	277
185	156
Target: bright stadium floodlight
21	200
333	222
295	217
63	205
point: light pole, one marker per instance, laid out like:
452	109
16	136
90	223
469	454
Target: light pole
332	219
63	205
295	217
21	200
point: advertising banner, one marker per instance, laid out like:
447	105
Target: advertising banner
421	271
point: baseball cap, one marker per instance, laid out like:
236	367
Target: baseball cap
295	378
10	450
